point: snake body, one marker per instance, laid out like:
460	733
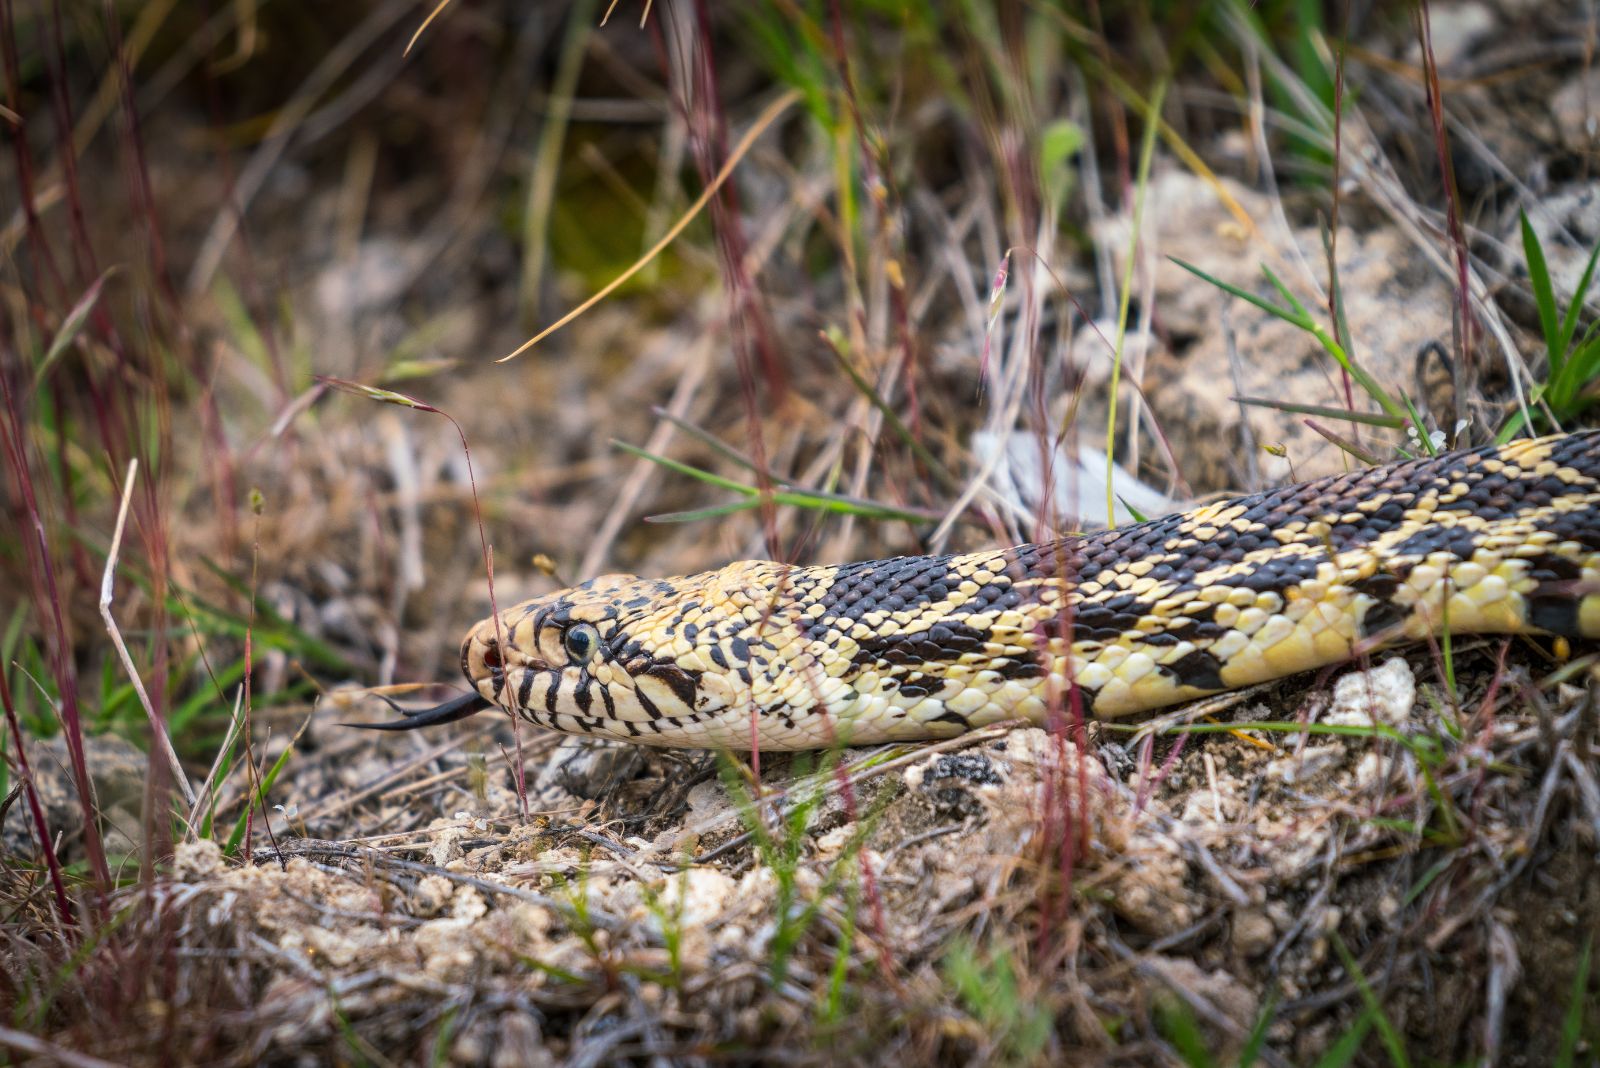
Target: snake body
1501	539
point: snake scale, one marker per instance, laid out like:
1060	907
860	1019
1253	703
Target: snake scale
1501	539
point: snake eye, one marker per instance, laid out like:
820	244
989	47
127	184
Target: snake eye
580	642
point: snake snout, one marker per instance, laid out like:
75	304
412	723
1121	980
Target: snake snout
482	657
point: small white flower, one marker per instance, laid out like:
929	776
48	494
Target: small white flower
1435	437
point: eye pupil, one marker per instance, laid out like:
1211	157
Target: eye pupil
580	641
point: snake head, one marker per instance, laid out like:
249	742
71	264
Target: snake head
600	658
603	658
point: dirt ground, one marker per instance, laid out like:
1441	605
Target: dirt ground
1394	861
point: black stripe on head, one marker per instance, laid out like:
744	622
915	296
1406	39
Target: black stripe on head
683	684
648	705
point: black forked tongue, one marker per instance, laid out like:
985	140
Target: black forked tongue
456	708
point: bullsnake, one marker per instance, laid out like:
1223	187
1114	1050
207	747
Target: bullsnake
1500	539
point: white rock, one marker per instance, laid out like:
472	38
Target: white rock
695	897
1386	694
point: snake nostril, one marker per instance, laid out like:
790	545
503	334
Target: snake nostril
491	656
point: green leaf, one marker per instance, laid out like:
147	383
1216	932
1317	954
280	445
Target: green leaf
1544	296
1138	516
1058	144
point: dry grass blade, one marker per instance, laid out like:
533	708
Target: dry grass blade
211	787
158	730
49	1051
768	116
435	13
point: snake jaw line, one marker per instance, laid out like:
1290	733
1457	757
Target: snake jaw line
1502	539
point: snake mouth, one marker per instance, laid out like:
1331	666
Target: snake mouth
468	704
483	660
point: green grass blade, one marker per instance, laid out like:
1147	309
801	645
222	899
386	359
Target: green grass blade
1147	145
687	469
1368	384
1392	1041
1345	414
694	514
901	431
1245	295
1257	1040
1569	323
815	500
1572	1022
839	504
72	325
1577	371
260	798
1345	444
1344	1051
1513	426
1288	296
1297	316
1177	1024
833	1005
1423	437
710	441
